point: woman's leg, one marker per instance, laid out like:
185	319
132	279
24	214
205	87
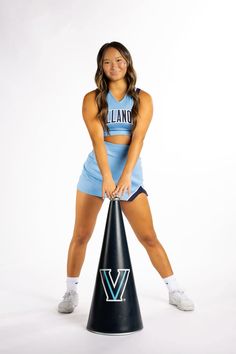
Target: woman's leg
139	216
87	209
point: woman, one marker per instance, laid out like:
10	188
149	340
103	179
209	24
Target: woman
117	117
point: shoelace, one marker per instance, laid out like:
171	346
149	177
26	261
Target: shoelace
67	295
183	295
181	291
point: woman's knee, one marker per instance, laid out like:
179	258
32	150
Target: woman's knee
82	235
149	239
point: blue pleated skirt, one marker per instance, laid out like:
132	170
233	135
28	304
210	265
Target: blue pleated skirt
90	180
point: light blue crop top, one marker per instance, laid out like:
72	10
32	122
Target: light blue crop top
119	115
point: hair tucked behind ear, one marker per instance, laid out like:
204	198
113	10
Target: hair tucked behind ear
102	84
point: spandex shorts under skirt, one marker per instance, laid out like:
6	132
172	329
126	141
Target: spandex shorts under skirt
90	180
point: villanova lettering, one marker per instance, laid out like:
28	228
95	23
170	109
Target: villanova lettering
114	290
119	116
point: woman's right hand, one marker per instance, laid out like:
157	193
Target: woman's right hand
108	186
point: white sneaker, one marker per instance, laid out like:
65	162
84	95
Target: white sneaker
180	299
69	302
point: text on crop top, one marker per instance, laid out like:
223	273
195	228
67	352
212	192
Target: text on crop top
119	119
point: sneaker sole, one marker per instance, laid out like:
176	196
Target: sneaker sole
66	311
190	308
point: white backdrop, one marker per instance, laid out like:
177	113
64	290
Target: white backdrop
184	55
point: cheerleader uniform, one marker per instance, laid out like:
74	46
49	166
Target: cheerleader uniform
120	123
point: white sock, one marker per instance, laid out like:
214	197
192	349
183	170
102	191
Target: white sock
71	283
171	283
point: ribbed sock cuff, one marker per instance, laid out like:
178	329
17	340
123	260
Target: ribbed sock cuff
72	283
171	283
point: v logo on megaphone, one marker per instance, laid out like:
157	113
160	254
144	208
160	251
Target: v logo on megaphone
114	290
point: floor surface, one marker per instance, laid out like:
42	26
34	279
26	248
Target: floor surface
30	322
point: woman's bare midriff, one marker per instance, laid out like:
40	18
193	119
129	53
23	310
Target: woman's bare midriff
118	139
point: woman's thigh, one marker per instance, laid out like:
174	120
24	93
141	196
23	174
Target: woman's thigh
86	211
139	215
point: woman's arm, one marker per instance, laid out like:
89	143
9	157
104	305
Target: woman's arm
143	121
95	129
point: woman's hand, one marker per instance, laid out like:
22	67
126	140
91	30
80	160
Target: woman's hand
123	185
108	186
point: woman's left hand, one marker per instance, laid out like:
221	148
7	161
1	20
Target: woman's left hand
123	185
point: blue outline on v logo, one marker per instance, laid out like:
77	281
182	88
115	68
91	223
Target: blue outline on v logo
114	290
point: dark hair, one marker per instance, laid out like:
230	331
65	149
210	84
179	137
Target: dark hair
102	84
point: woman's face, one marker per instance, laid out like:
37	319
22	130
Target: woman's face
114	65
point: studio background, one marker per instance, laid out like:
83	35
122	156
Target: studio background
184	56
